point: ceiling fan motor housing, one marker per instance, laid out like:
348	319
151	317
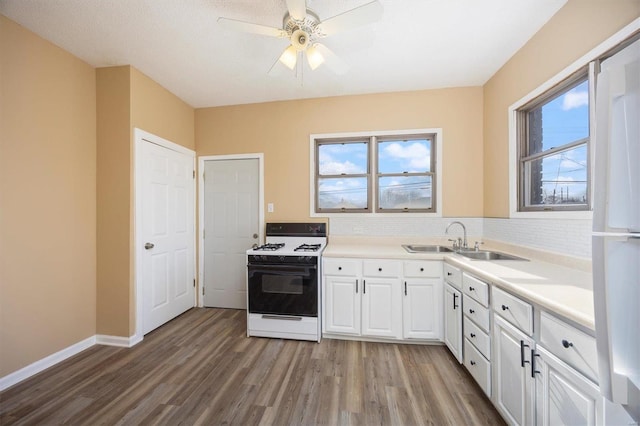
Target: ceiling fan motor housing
303	32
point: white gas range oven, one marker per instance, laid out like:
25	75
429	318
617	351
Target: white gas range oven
283	282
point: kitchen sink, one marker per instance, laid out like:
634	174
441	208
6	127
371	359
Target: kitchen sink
489	255
420	248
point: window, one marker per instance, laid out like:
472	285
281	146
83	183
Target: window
388	172
405	174
553	148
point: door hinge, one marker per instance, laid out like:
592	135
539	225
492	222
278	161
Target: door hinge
194	282
203	291
203	233
194	174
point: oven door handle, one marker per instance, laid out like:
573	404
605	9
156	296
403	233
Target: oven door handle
307	270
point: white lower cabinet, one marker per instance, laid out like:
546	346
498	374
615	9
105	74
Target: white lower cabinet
514	394
383	298
453	321
564	396
381	308
342	305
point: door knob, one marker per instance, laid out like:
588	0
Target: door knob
148	246
255	235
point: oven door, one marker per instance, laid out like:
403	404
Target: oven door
283	289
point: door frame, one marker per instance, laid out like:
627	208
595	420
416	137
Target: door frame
140	137
260	157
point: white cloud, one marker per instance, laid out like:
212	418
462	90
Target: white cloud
416	153
575	99
337	168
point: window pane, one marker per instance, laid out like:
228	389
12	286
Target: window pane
413	156
338	193
558	179
562	120
399	192
342	159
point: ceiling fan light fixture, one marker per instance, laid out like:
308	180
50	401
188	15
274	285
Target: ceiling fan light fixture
314	57
289	57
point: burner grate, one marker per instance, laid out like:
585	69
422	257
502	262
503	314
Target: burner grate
270	247
308	247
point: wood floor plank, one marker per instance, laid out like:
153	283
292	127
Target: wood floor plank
201	368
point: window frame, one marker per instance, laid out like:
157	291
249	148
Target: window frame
432	154
524	145
318	176
437	140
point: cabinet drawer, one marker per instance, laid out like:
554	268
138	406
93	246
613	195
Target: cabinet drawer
478	366
341	267
516	311
570	345
423	269
479	338
475	288
476	312
382	268
453	276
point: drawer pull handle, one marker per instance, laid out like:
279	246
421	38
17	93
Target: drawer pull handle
472	362
472	335
379	269
405	288
471	289
522	360
533	363
339	268
471	311
567	344
421	269
364	286
449	274
504	307
356	286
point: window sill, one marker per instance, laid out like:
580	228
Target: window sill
373	215
584	215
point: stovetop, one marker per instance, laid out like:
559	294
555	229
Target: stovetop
292	239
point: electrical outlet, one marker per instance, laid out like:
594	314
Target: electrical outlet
270	207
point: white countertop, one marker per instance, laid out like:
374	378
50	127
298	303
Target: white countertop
560	289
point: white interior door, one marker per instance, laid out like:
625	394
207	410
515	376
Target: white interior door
167	222
231	226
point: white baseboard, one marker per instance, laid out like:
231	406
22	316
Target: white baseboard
40	365
53	359
123	342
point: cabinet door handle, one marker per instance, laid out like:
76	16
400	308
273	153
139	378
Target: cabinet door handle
449	274
472	362
471	311
472	335
364	286
421	269
533	363
455	296
405	288
505	307
471	289
522	360
567	344
379	269
339	268
356	286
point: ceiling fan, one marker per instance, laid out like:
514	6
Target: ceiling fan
303	28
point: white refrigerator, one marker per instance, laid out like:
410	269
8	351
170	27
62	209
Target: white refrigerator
616	228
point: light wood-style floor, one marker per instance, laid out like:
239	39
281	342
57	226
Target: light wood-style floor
201	368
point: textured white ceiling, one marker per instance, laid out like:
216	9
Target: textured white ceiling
418	44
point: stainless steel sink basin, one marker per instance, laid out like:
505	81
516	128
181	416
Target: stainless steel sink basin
489	255
420	248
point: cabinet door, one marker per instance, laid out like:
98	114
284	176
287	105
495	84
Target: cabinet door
342	305
513	384
453	321
564	396
422	308
381	307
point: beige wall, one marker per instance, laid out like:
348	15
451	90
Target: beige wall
281	131
47	198
126	99
576	29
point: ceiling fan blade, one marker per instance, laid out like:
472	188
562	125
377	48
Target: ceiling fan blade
297	9
331	61
248	27
353	18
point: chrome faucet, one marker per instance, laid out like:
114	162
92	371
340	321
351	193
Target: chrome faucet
464	230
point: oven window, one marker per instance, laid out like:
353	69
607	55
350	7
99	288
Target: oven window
281	284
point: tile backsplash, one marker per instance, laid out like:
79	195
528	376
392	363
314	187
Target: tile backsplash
571	237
